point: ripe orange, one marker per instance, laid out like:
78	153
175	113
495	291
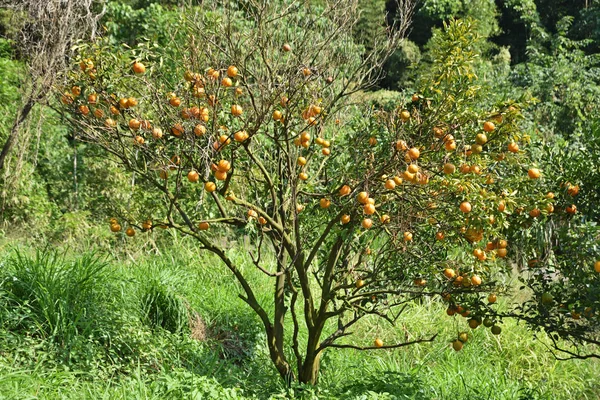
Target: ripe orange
175	101
369	209
193	176
390	184
286	47
177	130
130	232
501	253
115	227
597	266
367	223
362	197
232	71
401	145
489	126
134	124
226	82
476	280
415	98
240	136
404	115
324	202
372	141
378	343
408	236
139	140
306	72
534	173
210	187
413	168
465	207
449	273
534	213
420	282
345	219
236	110
326	151
303	176
439	235
572	209
252	214
345	190
220	175
513	147
414	153
203	226
492	298
501	206
138	68
572	190
450	145
360	283
385	219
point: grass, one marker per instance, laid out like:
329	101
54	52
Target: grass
113	322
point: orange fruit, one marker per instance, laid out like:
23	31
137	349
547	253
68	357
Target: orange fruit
138	68
345	190
324	203
414	153
597	266
236	110
378	343
303	176
385	219
390	184
489	126
457	345
286	47
130	232
404	115
210	187
408	236
362	197
203	226
465	207
449	168
115	227
369	209
449	273
367	223
193	176
475	280
501	253
534	173
572	209
232	71
134	124
492	298
360	283
345	219
513	147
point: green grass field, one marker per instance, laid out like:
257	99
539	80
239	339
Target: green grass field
170	326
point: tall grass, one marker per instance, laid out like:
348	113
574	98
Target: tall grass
50	296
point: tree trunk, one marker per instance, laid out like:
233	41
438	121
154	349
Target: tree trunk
310	369
12	136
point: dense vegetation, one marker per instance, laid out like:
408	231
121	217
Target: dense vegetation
143	312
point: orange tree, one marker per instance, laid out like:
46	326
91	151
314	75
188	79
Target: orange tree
254	131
